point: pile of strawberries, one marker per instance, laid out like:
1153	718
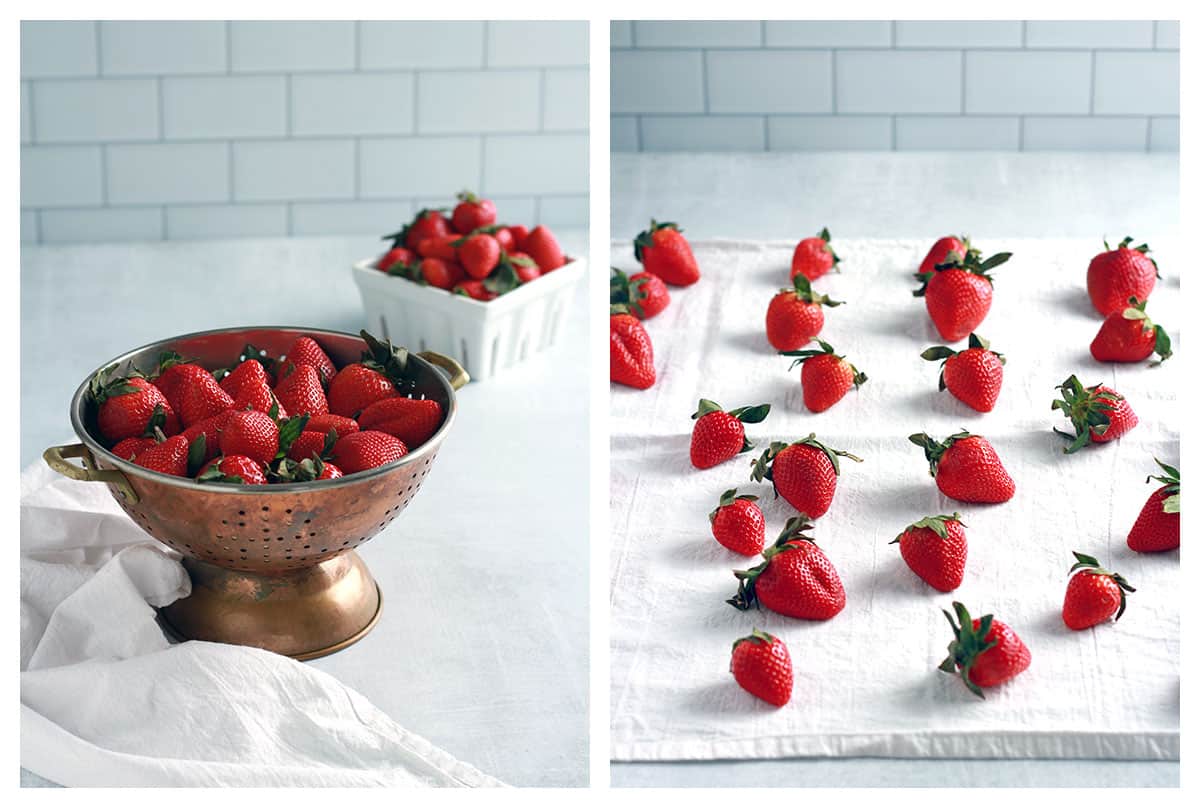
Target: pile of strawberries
294	418
795	577
468	253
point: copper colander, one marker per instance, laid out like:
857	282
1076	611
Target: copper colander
272	566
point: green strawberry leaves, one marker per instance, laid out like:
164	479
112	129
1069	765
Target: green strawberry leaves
793	531
967	262
390	360
289	430
213	474
1170	479
943	352
800	357
802	288
1143	248
824	236
728	498
935	523
935	449
1087	409
747	415
503	278
967	646
1162	341
755	636
103	387
1091	566
760	468
197	451
646	237
399	237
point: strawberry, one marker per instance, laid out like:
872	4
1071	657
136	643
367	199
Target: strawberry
738	523
543	248
303	470
476	290
935	548
1093	594
202	399
813	257
505	239
412	420
174	375
1098	413
794	316
479	254
257	395
644	293
300	392
525	267
395	257
329	472
235	469
130	448
313	443
1157	526
324	422
796	579
251	433
972	376
441	274
630	352
443	247
171	456
718	435
984	652
130	406
664	252
519	233
804	473
958	292
940	252
1114	276
382	372
307	351
761	665
427	223
966	468
250	371
367	449
472	212
1130	336
210	428
825	377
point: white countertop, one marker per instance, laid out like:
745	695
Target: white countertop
483	643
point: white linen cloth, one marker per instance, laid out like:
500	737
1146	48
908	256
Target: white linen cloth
866	682
106	700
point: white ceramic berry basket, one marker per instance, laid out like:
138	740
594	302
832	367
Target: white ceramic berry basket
484	337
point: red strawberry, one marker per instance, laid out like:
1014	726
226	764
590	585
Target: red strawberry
1098	413
505	238
210	428
738	523
251	433
257	395
168	457
796	579
300	392
825	377
718	435
378	375
794	316
972	376
1114	276
630	352
519	233
412	420
367	449
644	293
307	351
525	267
984	652
130	407
762	666
1130	336
1157	526
311	442
426	224
543	248
958	292
175	375
250	371
395	257
813	256
130	448
1093	594
476	290
323	423
966	468
202	399
235	469
804	473
939	253
479	254
663	251
441	274
472	212
330	472
935	548
442	247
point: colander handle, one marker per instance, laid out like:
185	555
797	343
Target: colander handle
457	373
56	458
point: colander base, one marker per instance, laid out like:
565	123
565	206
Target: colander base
303	613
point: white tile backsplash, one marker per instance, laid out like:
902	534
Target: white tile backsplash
163	173
479	101
703	133
899	81
623	133
958	34
57	49
96	110
350	218
101	224
537	43
1028	82
353	104
565	105
224	107
656	82
828	33
1137	83
424	45
764	81
1164	134
620	34
226	221
29	227
434	167
698	33
957	133
144	48
26	115
292	46
61	176
284	170
1089	134
1166	34
1089	34
830	133
508	161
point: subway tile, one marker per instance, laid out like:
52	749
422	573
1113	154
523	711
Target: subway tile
57	49
898	81
829	133
1164	134
350	218
698	33
565	212
424	44
1089	34
656	82
770	81
159	173
537	43
91	110
61	176
565	106
1166	34
438	167
1084	134
225	107
829	33
261	46
703	133
279	170
622	133
620	34
953	133
26	113
1015	83
958	34
226	221
377	104
144	48
1136	83
101	225
484	101
535	164
29	227
515	209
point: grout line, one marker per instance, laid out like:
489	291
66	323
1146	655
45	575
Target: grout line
232	173
162	109
1024	34
892	35
962	73
482	165
1154	35
762	33
37	226
104	175
893	131
99	49
32	117
1149	128
416	118
638	132
357	168
633	43
766	132
287	219
1020	133
287	105
486	55
162	223
833	93
704	78
357	45
1092	88
542	100
228	47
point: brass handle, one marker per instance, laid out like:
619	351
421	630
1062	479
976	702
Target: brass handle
56	456
458	374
